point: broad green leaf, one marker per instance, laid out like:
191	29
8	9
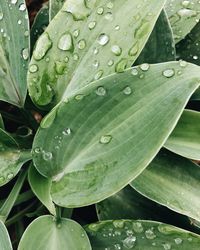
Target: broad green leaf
55	6
11	157
46	233
93	39
178	182
41	21
14	51
41	187
96	142
185	139
5	243
140	235
183	16
160	46
1	122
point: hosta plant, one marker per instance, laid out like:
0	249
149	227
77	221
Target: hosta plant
103	151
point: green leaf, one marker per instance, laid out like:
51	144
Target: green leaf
185	139
178	182
55	6
90	42
160	46
129	234
12	157
96	142
5	243
14	41
1	122
52	235
41	187
41	21
183	16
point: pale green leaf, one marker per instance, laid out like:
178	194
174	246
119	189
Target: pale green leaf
5	243
55	6
160	46
93	39
14	41
183	16
185	139
41	187
140	235
46	233
11	157
178	182
96	142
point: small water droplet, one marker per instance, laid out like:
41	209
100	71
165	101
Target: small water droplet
82	44
43	45
137	227
2	179
185	3
195	57
47	156
167	246
95	51
127	90
14	1
129	242
105	139
19	22
118	223
60	67
10	176
22	7
100	10
117	27
134	72
109	16
79	97
103	39
110	63
76	33
1	16
25	54
37	150
121	65
33	68
178	241
96	64
65	42
92	25
110	5
116	50
101	91
75	57
98	75
183	64
168	73
144	67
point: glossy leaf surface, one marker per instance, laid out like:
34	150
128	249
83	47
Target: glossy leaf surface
185	139
178	182
93	39
14	51
89	140
183	16
51	235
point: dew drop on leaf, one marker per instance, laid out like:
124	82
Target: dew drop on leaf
121	65
178	241
10	176
100	10
47	156
81	44
127	90
1	16
103	39
105	139
137	227
144	67
98	75
43	45
129	242
118	224
92	25
167	246
22	7
33	68
110	63
134	49
116	50
134	72
101	91
168	73
65	42
150	234
25	54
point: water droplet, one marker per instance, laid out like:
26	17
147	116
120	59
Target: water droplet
142	30
105	139
33	68
185	3
129	242
121	65
134	72
195	57
144	67
14	1
101	91
167	246
37	150
98	75
2	179
187	13
109	16
43	45
76	33
92	25
117	247
110	5
59	225
81	44
134	49
79	97
1	16
10	176
127	90
95	51
103	39
96	64
117	27
150	234
137	227
110	63
60	67
65	42
25	54
22	7
168	73
116	50
47	156
100	10
75	57
118	223
19	22
183	64
178	241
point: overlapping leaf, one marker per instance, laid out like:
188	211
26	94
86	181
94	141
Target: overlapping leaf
178	182
5	243
88	40
55	6
14	51
185	139
49	234
96	142
183	16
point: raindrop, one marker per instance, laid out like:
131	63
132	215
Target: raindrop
110	5
142	30
43	45
134	50
110	63
60	67
134	72
109	16
117	27
168	73
187	13
10	176
127	90
95	51
178	241
103	39
116	50
22	7
37	150
96	64
75	57
150	234
33	68
92	25
25	54
129	242
167	246
14	1
118	224
117	247
19	22
105	139
98	75
2	179
79	97
81	44
47	156
185	3
183	64
144	67
65	42
137	227
100	10
121	65
101	91
76	33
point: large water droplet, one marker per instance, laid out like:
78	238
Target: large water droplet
168	73
76	33
65	42
43	45
129	242
118	223
103	39
187	13
101	91
22	7
105	139
14	1
116	50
